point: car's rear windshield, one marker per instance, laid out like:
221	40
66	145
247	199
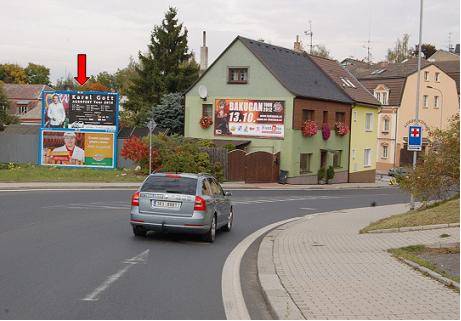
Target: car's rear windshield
170	184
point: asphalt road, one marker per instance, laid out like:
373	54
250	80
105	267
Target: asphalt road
72	255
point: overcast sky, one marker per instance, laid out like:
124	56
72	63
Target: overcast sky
53	32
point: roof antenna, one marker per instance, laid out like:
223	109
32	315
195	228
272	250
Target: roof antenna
310	34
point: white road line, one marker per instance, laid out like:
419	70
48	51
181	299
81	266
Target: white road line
93	296
307	208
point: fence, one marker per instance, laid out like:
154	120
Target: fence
218	154
23	148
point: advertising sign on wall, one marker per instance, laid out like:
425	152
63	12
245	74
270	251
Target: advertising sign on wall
249	118
79	110
71	148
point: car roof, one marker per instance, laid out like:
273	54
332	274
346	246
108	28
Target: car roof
188	175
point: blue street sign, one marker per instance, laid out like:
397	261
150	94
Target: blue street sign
415	138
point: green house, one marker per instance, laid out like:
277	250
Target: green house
263	95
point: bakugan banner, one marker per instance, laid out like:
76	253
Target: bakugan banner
249	118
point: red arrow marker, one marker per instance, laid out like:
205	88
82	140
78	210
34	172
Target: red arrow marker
81	69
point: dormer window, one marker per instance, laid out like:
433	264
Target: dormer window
381	93
238	76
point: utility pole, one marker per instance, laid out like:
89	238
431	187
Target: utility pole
450	47
418	85
310	34
151	125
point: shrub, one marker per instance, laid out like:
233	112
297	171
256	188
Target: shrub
321	173
137	150
330	173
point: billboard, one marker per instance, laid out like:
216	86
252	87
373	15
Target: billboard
249	118
79	110
81	149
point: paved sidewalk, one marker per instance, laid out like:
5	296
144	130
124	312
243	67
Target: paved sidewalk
330	271
230	185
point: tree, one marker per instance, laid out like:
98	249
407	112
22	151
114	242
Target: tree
108	80
321	51
439	171
5	117
93	86
13	74
427	49
401	50
124	77
37	74
169	114
167	67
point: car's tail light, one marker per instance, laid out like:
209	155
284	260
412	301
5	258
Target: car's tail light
200	204
135	199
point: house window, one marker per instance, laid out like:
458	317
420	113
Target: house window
305	163
385	151
238	76
325	117
367	157
382	95
207	110
22	109
436	102
308	115
426	101
369	122
340	117
437	76
426	75
386	125
337	158
354	116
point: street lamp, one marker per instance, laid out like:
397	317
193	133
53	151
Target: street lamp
441	103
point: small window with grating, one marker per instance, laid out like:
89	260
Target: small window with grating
237	76
207	110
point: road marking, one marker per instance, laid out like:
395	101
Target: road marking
285	199
307	208
93	296
234	303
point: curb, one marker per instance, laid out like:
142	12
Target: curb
414	228
280	303
431	273
233	300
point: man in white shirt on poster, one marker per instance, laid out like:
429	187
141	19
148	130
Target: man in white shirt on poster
56	113
76	154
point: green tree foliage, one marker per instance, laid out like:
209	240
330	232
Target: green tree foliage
167	67
124	77
169	114
37	74
401	50
439	171
13	74
65	83
5	117
427	49
321	51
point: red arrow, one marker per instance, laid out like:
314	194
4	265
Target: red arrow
81	69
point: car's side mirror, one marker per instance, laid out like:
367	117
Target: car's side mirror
227	194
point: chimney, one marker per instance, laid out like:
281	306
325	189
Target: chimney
297	45
203	55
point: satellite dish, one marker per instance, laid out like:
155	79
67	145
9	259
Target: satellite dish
202	91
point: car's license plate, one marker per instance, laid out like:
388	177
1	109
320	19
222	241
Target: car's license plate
166	204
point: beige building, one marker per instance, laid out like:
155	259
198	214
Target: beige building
394	85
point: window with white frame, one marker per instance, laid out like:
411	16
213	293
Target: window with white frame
426	75
381	92
386	124
368	122
437	76
385	151
367	157
22	109
436	102
426	101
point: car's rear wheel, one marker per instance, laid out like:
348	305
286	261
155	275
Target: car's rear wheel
139	231
230	220
211	234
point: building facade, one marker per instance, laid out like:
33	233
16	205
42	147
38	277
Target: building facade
250	74
395	86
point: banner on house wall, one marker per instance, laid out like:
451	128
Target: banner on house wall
79	110
249	118
73	148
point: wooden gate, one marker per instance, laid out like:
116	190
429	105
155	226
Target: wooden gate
236	165
261	167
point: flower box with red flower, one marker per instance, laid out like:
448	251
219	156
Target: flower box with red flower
206	121
341	128
309	128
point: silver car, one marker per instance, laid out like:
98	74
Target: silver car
193	203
